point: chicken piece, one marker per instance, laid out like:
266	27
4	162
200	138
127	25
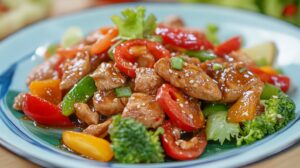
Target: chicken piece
191	60
239	56
144	109
233	79
98	130
92	37
95	60
106	103
143	57
107	76
84	114
44	71
191	79
75	69
18	102
173	21
147	81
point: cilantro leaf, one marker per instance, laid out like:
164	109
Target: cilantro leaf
133	24
149	25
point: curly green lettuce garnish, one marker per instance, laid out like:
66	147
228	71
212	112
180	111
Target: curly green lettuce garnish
219	129
133	24
132	143
279	111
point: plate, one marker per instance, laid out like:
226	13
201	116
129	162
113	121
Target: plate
20	52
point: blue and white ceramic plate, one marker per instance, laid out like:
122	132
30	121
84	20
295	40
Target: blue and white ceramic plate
18	55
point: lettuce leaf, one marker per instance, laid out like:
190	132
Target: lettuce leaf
71	37
218	129
133	24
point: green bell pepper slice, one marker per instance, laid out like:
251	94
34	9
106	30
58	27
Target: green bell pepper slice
269	91
81	92
214	107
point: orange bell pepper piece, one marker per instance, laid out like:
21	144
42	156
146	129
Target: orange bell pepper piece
245	108
47	89
104	42
68	52
269	70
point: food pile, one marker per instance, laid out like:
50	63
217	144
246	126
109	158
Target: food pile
140	90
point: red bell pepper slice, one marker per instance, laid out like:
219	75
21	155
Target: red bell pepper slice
178	108
59	65
175	150
105	41
3	8
228	46
43	112
125	60
281	81
178	37
290	10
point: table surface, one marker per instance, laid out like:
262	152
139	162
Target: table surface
288	158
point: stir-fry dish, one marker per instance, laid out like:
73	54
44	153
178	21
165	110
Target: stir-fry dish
142	91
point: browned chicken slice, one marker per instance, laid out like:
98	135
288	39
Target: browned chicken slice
106	103
74	70
147	81
144	109
98	130
191	60
92	37
239	56
233	78
44	71
191	79
107	76
144	57
95	60
84	113
18	102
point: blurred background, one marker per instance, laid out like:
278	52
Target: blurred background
16	14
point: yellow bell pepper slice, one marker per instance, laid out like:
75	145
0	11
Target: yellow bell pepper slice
47	89
268	69
88	145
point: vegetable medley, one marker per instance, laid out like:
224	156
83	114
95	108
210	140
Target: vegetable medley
141	91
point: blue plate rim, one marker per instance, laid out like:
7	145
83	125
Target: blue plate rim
90	10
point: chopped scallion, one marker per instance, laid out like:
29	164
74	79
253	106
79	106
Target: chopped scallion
123	92
202	55
217	66
177	63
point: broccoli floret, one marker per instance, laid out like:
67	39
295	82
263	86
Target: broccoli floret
132	143
279	111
